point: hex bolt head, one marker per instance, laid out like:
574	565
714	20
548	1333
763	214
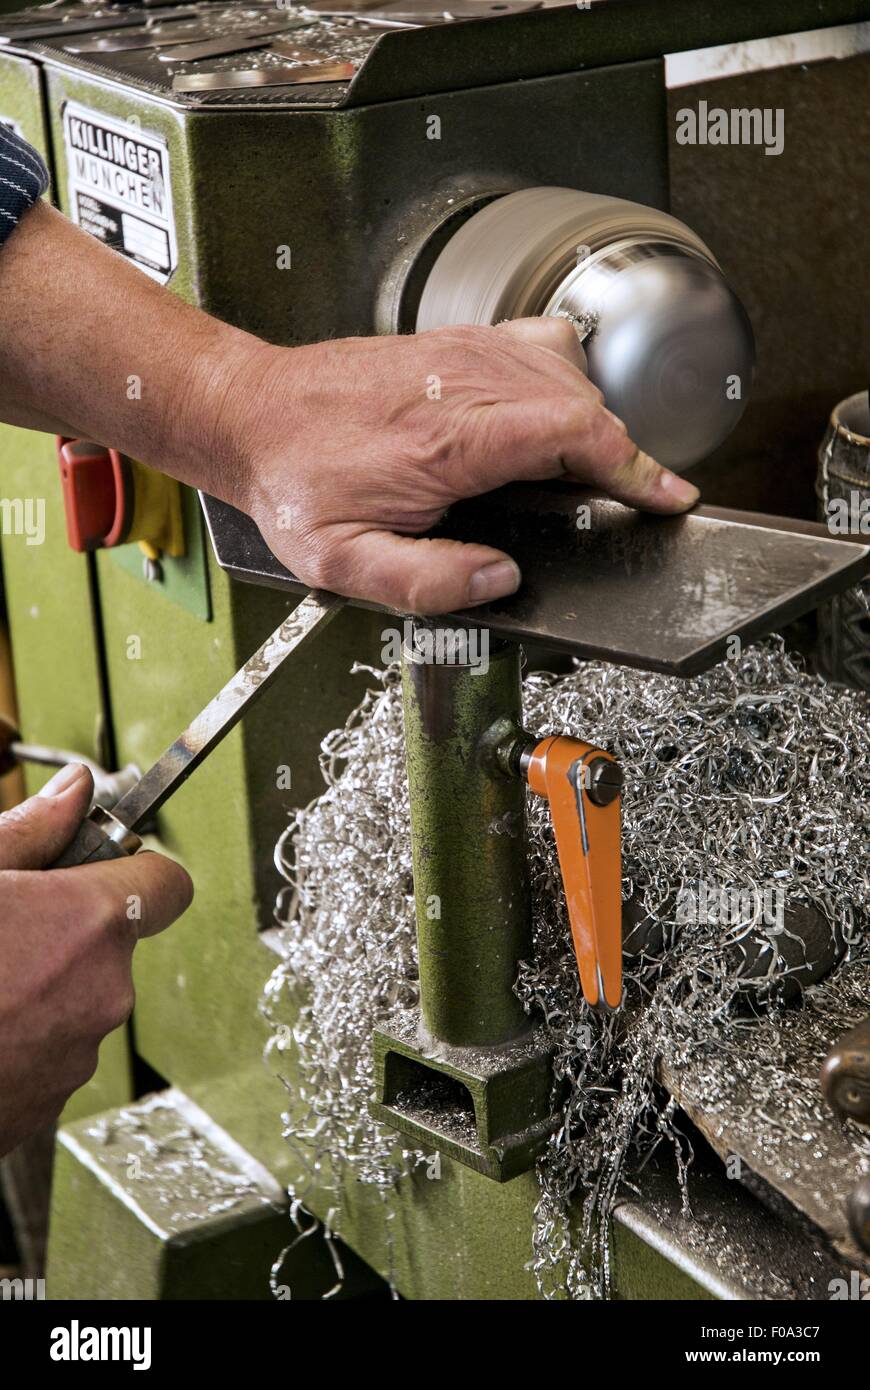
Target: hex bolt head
604	781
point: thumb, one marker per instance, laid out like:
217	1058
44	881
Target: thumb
556	335
427	576
33	834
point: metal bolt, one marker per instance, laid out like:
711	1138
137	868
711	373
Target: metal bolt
604	781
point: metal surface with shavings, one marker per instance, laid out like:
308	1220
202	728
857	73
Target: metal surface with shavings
478	52
764	1106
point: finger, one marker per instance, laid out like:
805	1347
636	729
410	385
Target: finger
554	334
164	888
641	482
34	833
548	438
605	456
147	891
425	576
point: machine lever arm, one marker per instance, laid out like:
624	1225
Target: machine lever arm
582	784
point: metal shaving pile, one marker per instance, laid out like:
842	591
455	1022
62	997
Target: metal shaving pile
185	1177
348	939
753	777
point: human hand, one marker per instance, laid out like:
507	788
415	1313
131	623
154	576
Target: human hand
66	947
352	448
343	451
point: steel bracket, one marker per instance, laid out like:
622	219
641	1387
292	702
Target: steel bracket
491	1109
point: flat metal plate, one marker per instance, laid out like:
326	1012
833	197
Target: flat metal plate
273	76
659	593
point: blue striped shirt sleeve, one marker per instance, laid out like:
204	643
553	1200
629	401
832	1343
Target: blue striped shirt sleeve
23	179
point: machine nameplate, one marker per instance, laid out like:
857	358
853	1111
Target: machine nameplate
120	189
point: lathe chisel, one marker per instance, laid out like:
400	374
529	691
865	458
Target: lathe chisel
112	834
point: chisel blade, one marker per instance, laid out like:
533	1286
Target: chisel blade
226	709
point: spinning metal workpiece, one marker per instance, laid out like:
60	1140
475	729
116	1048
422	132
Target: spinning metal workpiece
666	338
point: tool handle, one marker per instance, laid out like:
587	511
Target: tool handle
582	785
100	836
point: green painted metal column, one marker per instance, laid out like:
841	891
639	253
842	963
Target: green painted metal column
467	824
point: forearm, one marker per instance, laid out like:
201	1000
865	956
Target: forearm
90	346
338	450
14	413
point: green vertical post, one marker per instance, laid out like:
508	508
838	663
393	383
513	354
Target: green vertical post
468	833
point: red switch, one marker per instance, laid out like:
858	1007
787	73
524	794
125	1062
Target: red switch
97	494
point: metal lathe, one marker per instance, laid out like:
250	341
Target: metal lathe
393	168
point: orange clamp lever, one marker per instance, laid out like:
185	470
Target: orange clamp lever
582	785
